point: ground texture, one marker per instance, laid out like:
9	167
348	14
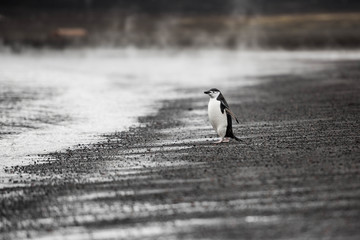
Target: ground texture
294	175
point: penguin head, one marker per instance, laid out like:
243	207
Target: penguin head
213	93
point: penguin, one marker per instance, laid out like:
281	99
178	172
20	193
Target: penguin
220	115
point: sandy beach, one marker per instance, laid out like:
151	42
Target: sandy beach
294	175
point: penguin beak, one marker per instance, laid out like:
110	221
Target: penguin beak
207	92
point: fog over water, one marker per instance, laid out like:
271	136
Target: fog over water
56	100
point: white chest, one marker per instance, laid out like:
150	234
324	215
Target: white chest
217	119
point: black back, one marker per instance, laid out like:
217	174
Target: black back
224	105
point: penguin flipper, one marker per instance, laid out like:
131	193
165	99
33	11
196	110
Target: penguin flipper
231	114
225	107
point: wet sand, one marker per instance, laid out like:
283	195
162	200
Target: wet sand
294	175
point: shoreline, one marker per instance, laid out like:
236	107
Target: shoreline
295	174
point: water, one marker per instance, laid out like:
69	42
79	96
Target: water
50	101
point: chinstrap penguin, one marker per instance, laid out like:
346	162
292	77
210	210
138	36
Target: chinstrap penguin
220	115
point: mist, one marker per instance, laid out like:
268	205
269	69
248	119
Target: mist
225	24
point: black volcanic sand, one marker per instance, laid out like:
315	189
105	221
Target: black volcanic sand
294	175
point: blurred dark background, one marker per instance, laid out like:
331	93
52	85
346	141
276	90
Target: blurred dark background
186	23
185	6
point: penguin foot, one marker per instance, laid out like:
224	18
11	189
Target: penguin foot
223	140
226	140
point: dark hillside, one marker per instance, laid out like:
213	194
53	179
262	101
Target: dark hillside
187	6
251	23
